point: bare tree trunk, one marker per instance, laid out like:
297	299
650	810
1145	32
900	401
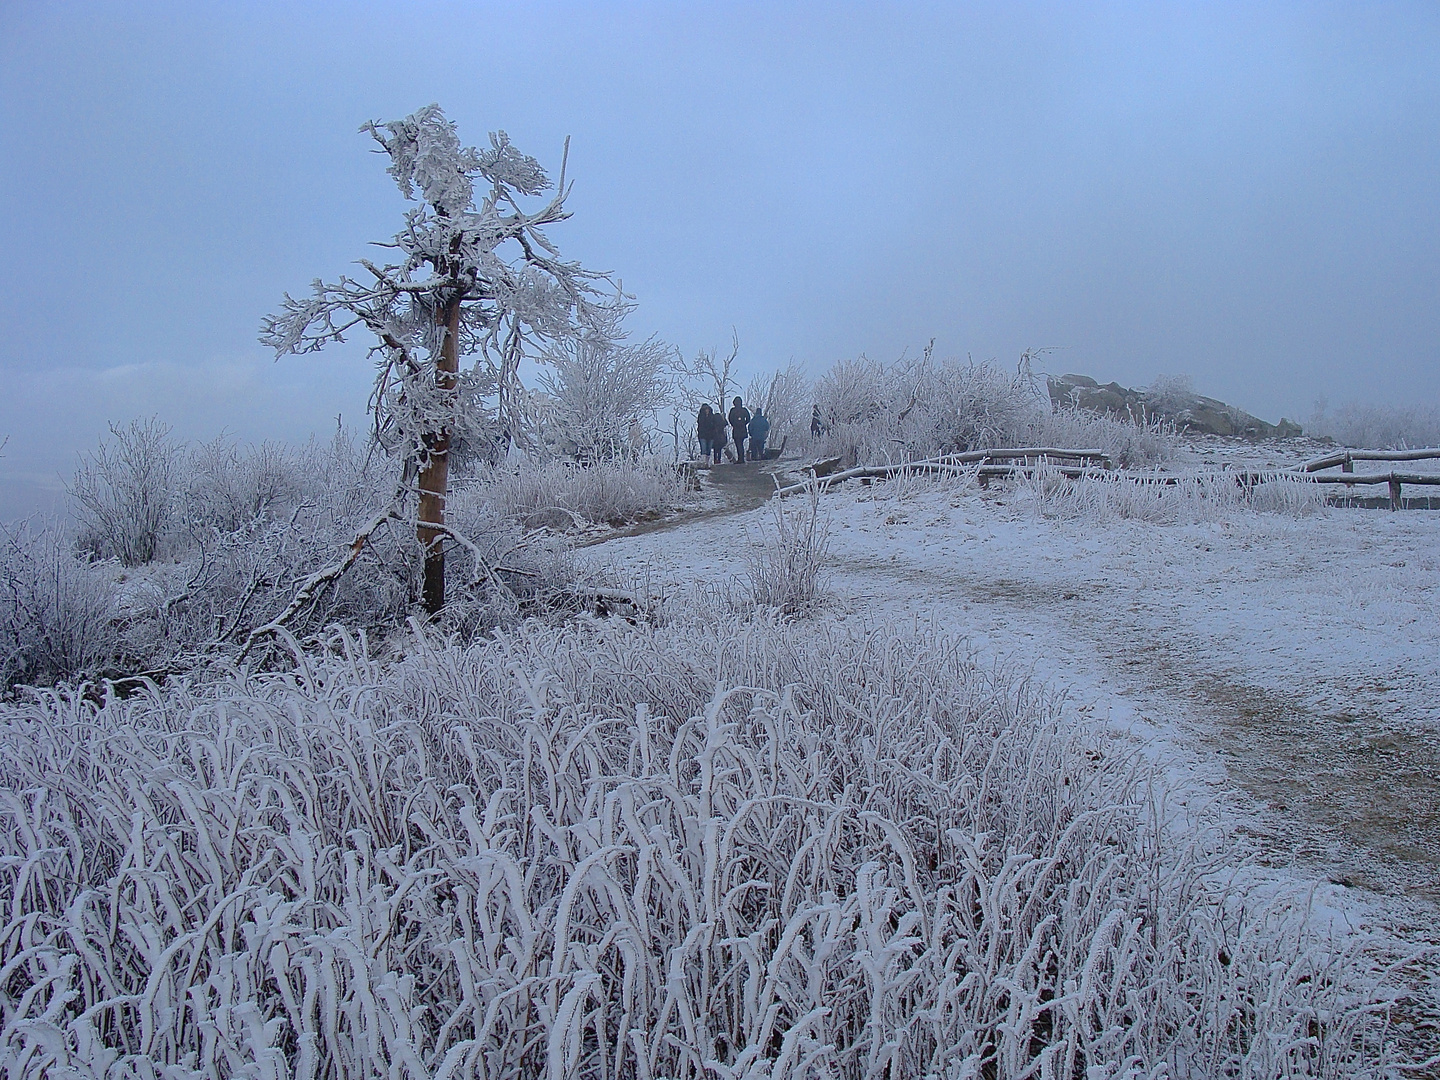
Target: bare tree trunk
435	477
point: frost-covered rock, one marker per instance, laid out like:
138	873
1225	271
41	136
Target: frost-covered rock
1176	404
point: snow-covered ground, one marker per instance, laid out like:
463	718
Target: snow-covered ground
1288	667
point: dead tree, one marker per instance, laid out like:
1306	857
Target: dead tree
473	282
709	370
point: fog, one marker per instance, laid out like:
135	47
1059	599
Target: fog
1242	193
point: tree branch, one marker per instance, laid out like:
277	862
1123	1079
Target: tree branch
310	588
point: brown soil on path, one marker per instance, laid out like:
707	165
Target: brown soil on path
1341	789
739	488
1370	786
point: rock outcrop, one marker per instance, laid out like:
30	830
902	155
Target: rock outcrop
1187	411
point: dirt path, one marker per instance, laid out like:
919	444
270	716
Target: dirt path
1349	790
1350	794
726	490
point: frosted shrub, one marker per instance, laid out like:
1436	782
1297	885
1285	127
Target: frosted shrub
230	487
785	397
124	492
596	388
1170	500
1380	427
873	414
562	494
694	852
786	563
57	609
1128	444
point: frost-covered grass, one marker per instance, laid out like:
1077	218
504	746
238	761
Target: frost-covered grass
562	494
695	851
786	565
1129	445
1168	500
874	413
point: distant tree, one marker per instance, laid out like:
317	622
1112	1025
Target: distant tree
714	374
124	492
785	397
474	280
599	386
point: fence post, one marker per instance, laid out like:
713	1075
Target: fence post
1394	493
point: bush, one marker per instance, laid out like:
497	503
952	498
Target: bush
785	566
124	492
874	414
785	396
1167	501
58	617
1130	445
231	487
592	851
597	389
1380	427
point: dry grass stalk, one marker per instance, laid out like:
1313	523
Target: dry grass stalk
698	851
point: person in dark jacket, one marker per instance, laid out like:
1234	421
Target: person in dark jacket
705	432
739	428
759	431
718	427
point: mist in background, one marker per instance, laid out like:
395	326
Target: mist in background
1242	193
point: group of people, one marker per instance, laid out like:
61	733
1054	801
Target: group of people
744	426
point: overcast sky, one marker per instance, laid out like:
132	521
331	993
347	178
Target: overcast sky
1243	193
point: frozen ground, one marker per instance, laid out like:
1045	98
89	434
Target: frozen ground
1288	667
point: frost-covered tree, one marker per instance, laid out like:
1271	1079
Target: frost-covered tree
474	277
714	375
599	386
124	492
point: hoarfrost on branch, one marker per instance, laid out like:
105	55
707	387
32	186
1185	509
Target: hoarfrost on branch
480	278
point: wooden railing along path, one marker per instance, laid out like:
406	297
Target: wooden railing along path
987	463
971	462
1346	459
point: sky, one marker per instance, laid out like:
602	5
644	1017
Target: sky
1242	193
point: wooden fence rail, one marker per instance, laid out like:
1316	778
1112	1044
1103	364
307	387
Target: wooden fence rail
976	463
955	464
1345	458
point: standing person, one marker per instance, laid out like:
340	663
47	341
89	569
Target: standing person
815	426
705	431
759	431
739	428
718	428
702	431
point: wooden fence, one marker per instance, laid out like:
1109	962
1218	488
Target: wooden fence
1020	461
1394	481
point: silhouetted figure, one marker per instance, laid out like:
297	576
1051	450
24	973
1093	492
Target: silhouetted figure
739	428
759	432
816	427
710	429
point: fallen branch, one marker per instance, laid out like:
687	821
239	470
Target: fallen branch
1007	453
875	472
310	588
1350	478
